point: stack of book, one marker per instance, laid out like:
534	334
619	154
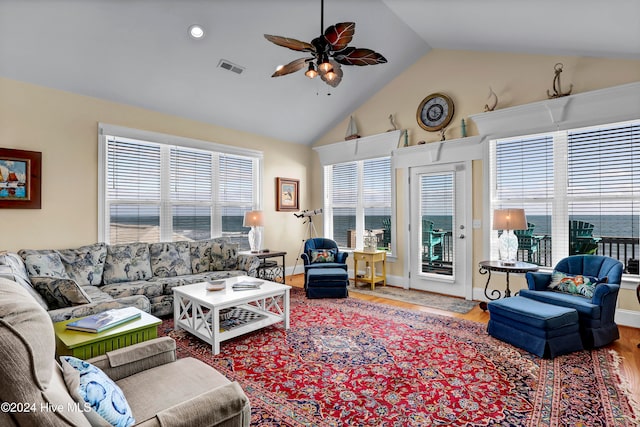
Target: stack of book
105	320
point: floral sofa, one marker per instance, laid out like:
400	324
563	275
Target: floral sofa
94	278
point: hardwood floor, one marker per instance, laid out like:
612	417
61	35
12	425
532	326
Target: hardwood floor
626	346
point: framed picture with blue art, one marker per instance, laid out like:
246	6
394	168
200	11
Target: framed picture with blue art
287	194
20	179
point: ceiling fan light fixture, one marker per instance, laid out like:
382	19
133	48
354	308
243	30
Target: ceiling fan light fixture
330	75
324	65
311	72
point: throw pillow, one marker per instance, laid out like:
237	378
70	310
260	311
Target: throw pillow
323	255
200	252
87	383
45	263
60	293
170	259
127	262
580	285
85	264
224	255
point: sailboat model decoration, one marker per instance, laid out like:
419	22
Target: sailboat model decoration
352	130
328	52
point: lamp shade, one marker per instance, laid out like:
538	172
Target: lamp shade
509	219
253	219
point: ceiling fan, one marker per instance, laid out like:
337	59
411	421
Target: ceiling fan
328	51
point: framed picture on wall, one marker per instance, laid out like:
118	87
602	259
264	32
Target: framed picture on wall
287	194
20	175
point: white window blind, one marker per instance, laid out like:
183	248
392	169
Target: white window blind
579	188
161	192
376	198
343	203
359	199
604	186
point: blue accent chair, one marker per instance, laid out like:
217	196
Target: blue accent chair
325	279
596	315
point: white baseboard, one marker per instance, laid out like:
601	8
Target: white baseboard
628	318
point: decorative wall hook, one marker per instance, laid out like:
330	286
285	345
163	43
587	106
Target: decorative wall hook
557	89
491	103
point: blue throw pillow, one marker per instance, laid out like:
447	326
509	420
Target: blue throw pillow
99	391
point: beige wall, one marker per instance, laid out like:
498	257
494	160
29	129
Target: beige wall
63	126
465	77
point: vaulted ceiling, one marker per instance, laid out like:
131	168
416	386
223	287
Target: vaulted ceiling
138	52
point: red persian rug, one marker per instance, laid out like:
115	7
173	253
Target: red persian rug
349	362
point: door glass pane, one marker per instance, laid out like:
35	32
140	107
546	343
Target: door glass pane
437	207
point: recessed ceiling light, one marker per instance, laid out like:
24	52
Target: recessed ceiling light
196	31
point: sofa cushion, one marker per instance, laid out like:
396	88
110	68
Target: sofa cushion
224	255
99	304
85	264
582	305
127	262
187	378
150	288
170	259
60	292
200	252
87	383
12	267
43	263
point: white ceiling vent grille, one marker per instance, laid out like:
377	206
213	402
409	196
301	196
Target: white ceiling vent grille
230	66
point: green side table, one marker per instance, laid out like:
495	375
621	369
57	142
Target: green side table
85	345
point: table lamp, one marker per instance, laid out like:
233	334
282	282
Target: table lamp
254	219
508	220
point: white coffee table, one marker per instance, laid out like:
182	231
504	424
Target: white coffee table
197	310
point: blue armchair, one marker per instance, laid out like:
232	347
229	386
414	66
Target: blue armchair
318	244
596	314
325	269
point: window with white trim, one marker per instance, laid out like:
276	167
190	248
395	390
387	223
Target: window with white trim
358	199
580	189
174	189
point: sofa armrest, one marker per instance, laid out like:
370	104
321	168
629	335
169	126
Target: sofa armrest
305	259
249	263
604	291
537	281
341	257
124	362
209	409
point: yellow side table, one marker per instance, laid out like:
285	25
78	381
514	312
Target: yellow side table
370	259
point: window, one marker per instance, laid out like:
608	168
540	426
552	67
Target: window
358	198
580	190
173	188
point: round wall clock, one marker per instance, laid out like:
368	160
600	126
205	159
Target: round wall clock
435	112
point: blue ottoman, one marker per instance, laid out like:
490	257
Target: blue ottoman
326	283
543	329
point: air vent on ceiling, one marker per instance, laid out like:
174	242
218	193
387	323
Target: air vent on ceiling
230	66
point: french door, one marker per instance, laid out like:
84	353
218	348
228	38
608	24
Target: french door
440	232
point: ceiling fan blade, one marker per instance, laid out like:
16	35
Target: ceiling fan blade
291	67
359	56
340	35
290	43
338	75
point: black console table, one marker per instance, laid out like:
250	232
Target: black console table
269	269
486	267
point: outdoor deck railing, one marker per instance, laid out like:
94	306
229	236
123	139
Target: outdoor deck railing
624	249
